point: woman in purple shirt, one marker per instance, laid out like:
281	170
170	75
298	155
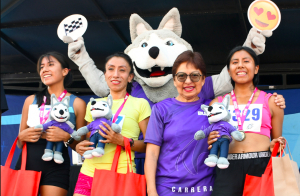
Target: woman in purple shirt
174	160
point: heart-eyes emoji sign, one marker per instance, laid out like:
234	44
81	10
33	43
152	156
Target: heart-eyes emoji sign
264	15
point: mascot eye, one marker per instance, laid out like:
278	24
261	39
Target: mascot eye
170	43
104	105
221	108
54	109
65	109
144	45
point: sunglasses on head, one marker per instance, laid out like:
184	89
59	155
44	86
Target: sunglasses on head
194	76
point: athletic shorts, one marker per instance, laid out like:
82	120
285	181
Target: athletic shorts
84	185
53	174
230	181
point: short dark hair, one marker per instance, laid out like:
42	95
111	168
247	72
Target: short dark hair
128	60
63	60
252	54
190	57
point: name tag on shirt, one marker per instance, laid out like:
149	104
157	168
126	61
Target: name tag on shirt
253	118
120	120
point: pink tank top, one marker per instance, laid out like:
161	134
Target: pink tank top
258	118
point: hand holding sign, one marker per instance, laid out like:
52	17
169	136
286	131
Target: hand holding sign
264	15
73	26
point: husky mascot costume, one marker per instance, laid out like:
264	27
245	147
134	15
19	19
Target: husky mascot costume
153	53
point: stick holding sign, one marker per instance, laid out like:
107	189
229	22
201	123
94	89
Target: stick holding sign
73	26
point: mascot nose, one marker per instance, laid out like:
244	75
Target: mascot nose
61	112
210	108
153	52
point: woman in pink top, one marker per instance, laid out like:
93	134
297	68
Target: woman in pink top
262	124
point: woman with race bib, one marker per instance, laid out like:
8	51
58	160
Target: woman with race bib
53	69
133	114
254	112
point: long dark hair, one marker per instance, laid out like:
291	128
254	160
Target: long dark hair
128	60
252	54
64	64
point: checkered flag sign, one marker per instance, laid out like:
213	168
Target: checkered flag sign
69	28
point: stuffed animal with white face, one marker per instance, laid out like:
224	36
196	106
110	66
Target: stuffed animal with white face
59	115
101	112
218	117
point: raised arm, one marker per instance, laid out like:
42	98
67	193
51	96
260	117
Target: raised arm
92	75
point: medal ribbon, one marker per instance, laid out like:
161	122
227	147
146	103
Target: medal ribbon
42	109
241	118
120	108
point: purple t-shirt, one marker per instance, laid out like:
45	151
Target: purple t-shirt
64	126
93	127
180	166
224	128
207	92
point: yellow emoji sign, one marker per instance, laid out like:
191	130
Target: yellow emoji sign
264	15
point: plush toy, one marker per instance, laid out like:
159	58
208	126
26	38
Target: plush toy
101	112
59	115
153	53
218	117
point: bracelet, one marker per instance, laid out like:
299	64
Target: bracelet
131	141
70	141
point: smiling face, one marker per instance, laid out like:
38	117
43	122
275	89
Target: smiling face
242	67
51	71
264	15
188	90
117	74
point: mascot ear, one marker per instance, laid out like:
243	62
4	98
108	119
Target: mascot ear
110	101
66	100
171	21
53	100
137	26
226	101
204	108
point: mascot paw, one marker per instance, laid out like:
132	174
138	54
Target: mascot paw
58	157
116	128
211	160
38	126
67	39
76	136
48	155
237	135
88	154
222	163
98	152
199	135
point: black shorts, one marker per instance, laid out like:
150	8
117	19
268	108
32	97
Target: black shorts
52	173
230	181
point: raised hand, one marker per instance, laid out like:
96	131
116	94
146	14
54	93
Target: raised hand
256	40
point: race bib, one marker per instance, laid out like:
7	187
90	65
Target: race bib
253	118
120	120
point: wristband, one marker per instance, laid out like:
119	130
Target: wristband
70	141
131	141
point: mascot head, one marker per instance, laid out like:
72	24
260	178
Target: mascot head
153	52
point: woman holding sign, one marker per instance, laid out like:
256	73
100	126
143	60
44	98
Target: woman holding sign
53	69
133	117
253	111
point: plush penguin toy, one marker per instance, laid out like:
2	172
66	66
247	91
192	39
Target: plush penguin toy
58	117
101	112
218	117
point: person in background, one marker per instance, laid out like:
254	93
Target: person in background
53	69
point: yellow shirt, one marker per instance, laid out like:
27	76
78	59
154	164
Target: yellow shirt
134	111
